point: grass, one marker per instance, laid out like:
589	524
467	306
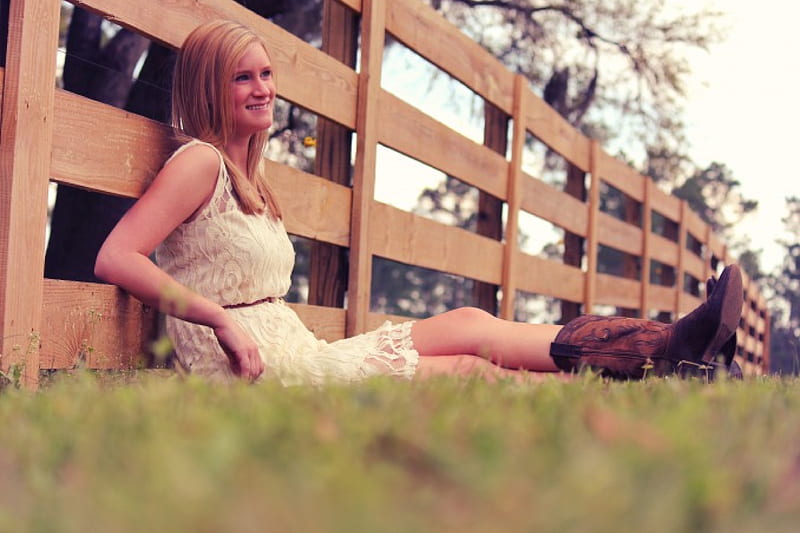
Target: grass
167	454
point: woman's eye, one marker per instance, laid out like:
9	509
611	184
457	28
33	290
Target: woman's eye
267	74
241	77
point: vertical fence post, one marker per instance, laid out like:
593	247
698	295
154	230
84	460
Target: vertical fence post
490	209
647	231
328	263
765	348
632	213
590	283
575	186
679	268
709	254
373	29
510	249
26	137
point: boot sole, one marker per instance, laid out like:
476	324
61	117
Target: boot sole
731	310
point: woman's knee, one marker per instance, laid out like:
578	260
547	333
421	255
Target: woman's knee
454	332
471	316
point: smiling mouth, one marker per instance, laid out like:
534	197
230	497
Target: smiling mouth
257	107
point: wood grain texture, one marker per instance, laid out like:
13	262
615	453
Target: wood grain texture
514	177
553	130
647	247
404	128
717	247
327	323
98	326
688	303
355	5
327	268
26	131
621	176
621	292
694	265
680	296
544	201
375	320
695	226
617	234
402	236
664	250
373	34
313	207
305	75
669	206
434	38
122	157
661	298
92	325
592	243
550	278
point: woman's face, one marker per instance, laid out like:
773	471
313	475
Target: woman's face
253	91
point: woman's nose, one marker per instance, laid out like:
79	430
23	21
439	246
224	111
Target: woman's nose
263	87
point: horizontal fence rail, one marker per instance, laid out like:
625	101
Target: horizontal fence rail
51	135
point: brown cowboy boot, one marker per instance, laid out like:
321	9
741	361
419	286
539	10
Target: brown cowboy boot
728	350
631	348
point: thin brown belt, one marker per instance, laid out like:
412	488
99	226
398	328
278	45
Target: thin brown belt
268	299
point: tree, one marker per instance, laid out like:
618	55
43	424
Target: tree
785	303
615	67
713	193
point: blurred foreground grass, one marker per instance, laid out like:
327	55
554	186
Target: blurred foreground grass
165	454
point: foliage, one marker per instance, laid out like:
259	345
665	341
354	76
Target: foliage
171	455
615	66
785	305
713	193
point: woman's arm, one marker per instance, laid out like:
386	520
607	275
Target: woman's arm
179	190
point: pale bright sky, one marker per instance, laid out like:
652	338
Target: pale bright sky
742	110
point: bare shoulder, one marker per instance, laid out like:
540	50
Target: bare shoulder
198	159
185	183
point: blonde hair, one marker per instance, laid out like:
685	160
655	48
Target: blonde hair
202	106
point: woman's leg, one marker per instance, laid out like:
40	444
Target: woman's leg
469	366
471	331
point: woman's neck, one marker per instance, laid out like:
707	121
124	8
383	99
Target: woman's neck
237	152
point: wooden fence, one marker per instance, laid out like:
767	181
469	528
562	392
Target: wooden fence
52	135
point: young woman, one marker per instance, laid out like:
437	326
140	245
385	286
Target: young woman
223	262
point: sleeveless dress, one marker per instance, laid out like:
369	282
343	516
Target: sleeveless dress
233	258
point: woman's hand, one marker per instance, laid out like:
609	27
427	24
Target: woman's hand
240	349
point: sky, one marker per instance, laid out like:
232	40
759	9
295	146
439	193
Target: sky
742	108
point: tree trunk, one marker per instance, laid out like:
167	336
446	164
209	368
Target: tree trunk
573	244
328	271
631	265
490	209
81	219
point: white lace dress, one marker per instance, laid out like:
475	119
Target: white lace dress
233	258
